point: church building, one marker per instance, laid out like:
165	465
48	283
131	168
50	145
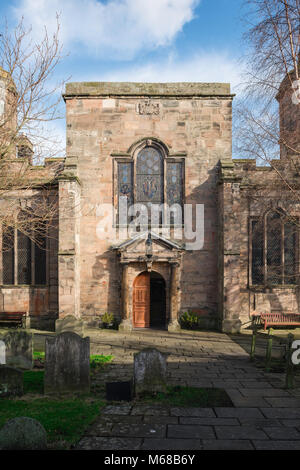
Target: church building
222	244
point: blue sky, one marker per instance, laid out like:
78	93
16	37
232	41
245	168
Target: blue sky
140	40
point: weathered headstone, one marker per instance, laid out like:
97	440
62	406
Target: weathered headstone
67	364
11	382
150	370
70	323
18	349
23	434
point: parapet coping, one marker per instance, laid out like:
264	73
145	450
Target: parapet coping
136	89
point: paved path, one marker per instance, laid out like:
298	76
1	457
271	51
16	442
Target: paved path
265	415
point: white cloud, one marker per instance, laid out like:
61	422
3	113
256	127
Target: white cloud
117	27
201	67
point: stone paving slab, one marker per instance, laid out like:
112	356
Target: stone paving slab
104	443
282	433
250	401
265	415
185	431
150	410
196	412
284	413
276	445
139	430
172	444
259	423
160	419
209	421
223	444
295	423
238	412
284	402
268	392
239	432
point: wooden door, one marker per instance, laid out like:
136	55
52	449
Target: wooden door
141	301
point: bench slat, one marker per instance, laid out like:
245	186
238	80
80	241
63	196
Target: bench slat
278	318
13	317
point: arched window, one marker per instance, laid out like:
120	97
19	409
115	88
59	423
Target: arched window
273	250
152	178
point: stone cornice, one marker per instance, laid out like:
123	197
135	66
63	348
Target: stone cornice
126	89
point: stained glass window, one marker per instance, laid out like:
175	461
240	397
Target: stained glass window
149	176
150	185
125	187
174	183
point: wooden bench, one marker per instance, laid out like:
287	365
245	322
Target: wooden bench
274	319
17	318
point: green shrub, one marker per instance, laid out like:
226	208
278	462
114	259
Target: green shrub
108	321
189	320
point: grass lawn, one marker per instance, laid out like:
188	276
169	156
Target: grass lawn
65	419
189	397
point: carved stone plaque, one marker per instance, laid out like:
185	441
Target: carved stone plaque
148	107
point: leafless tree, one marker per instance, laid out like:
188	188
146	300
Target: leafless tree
271	70
272	42
29	102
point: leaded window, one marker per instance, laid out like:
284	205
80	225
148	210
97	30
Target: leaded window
29	258
125	181
273	250
24	259
151	181
8	255
174	183
40	259
149	177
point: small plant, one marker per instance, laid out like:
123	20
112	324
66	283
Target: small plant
108	321
98	361
189	320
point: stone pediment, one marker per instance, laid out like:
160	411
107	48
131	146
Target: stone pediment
149	245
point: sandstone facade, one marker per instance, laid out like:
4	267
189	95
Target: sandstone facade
92	269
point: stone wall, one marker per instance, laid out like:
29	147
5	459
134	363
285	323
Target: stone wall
261	190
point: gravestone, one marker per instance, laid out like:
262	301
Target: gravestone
150	370
23	434
18	349
70	323
11	382
67	364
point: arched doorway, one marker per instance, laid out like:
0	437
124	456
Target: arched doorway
149	301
